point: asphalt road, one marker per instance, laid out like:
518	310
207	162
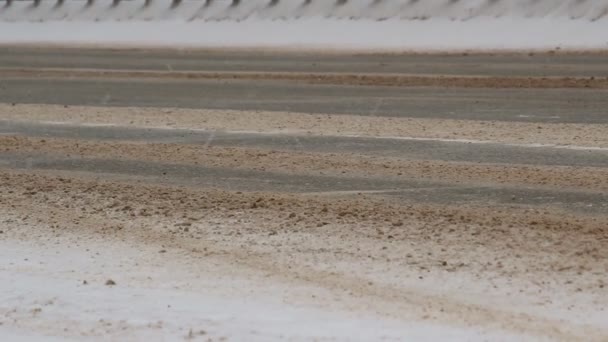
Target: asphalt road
586	106
487	235
405	149
525	105
406	190
539	64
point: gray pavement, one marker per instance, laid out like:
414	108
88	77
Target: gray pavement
528	105
545	64
407	191
406	149
525	105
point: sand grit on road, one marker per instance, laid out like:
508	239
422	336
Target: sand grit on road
573	135
127	256
358	79
488	270
533	272
305	163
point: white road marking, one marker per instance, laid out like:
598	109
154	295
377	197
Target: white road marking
377	191
308	134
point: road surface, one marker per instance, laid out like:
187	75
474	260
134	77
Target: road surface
324	210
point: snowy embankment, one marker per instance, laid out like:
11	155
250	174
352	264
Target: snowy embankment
357	25
52	292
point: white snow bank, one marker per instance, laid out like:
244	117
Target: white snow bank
359	25
483	34
160	297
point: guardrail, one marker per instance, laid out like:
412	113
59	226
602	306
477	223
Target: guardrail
461	10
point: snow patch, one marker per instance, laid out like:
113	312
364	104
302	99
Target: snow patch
159	297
